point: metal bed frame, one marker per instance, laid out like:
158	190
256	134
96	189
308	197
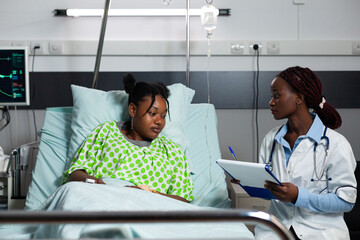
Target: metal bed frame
62	217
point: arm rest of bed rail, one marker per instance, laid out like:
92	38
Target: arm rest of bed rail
21	163
57	217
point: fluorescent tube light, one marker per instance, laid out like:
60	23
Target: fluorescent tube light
133	12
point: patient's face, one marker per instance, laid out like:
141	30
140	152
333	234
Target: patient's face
148	125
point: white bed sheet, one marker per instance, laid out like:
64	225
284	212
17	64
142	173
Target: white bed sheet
78	196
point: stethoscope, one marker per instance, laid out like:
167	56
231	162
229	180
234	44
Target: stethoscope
325	144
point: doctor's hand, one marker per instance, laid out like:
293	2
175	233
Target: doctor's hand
286	193
235	181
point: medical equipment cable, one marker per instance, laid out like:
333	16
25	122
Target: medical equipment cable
208	22
7	117
256	48
208	77
33	93
207	140
16	124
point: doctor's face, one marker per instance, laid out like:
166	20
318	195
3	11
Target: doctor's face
147	125
283	99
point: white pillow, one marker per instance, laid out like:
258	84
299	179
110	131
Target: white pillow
92	107
179	100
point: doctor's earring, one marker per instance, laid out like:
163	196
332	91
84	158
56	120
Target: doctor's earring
132	124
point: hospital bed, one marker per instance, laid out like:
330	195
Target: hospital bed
128	212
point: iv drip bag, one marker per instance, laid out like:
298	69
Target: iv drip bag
209	17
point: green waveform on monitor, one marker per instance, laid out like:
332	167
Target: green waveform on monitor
4	76
6	94
6	59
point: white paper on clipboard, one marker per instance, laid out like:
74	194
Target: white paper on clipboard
249	173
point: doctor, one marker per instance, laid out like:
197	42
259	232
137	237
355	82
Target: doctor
315	163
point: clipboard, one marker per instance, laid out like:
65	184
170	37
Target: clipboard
252	176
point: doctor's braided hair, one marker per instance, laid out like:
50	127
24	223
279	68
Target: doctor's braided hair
139	90
305	81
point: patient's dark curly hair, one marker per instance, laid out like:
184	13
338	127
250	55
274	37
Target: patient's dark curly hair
305	81
139	90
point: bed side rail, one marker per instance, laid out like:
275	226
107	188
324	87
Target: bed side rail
57	217
21	163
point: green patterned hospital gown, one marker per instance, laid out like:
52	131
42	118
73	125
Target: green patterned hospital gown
107	153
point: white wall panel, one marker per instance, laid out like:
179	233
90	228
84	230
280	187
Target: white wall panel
197	63
330	19
250	19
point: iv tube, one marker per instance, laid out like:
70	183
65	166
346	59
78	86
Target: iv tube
208	20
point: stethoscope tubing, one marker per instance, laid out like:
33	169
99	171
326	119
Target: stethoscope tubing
326	146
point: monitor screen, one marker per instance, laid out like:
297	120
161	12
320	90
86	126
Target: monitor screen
14	76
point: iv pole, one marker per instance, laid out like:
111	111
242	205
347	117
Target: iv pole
102	36
101	43
187	43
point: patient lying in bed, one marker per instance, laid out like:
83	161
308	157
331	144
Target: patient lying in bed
133	151
193	126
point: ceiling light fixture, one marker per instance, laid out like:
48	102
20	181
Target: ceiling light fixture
134	12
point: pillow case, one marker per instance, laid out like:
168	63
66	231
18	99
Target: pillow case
210	187
92	107
51	157
179	100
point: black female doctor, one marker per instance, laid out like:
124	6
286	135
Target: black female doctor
318	187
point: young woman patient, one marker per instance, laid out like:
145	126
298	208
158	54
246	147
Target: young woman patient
133	150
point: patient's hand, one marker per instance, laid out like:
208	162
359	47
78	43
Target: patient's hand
147	188
143	187
97	180
81	176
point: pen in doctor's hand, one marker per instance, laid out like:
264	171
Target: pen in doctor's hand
232	153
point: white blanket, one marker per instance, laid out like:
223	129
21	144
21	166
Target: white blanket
78	196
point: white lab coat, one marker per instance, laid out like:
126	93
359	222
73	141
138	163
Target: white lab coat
340	168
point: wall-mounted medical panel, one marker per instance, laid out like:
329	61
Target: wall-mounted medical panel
197	48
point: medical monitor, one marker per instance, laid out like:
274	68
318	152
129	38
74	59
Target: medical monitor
14	76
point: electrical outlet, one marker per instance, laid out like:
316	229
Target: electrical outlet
299	2
18	43
237	48
55	47
273	47
39	50
356	48
252	51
